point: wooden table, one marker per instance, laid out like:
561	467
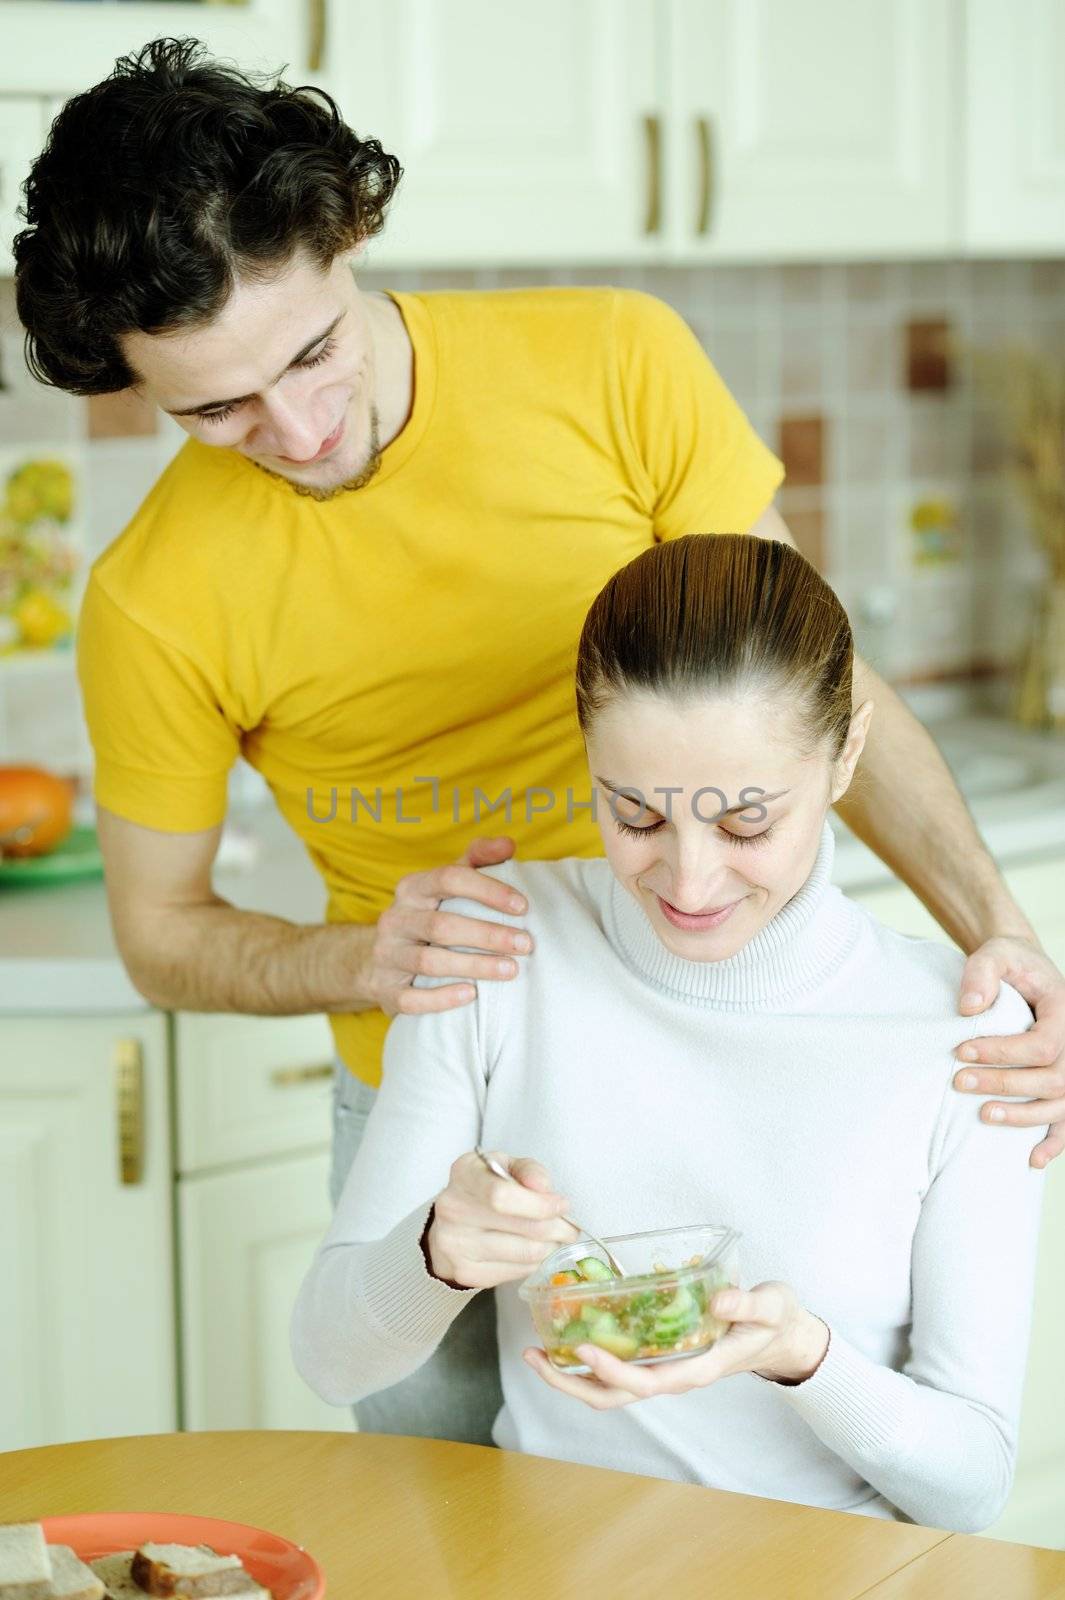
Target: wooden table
419	1518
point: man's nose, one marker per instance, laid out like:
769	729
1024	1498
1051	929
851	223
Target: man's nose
292	429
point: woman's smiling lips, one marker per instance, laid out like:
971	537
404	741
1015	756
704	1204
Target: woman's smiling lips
696	924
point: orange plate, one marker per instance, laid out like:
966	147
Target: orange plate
289	1572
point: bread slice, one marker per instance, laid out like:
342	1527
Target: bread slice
116	1573
71	1578
25	1566
189	1571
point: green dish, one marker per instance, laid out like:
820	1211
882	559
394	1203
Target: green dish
77	857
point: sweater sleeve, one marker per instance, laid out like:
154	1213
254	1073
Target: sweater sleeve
368	1312
938	1439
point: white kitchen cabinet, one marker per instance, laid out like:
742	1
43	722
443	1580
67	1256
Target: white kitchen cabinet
23	125
528	133
250	1087
673	130
1033	1514
51	47
817	130
247	1238
254	1103
87	1325
1015	188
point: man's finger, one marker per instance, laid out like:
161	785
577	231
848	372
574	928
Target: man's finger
456	881
1039	1083
449	929
1041	1046
488	852
1050	1148
1028	1114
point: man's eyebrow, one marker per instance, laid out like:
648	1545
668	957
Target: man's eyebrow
217	405
748	805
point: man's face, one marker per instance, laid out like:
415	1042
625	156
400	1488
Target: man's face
284	374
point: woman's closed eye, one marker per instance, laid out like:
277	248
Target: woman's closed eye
737	838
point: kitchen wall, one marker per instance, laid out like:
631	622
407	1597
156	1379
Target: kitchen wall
861	376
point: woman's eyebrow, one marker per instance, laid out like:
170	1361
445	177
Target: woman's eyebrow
634	795
218	405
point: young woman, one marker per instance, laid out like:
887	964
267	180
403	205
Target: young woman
709	1031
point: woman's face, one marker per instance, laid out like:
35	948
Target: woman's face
709	881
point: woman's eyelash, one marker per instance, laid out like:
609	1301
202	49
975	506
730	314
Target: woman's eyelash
737	838
310	361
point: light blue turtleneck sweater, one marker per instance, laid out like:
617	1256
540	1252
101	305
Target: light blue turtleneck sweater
801	1092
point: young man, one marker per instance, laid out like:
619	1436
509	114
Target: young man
367	572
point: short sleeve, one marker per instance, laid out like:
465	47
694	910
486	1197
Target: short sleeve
703	467
162	742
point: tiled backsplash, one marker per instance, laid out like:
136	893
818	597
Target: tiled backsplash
861	377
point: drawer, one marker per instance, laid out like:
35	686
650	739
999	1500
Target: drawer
250	1086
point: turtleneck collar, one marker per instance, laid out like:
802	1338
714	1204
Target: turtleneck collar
792	954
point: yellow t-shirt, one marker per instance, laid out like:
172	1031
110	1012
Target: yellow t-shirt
423	627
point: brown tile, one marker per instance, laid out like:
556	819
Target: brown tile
928	355
808	530
801	446
124	415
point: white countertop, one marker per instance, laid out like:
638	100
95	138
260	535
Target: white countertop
57	953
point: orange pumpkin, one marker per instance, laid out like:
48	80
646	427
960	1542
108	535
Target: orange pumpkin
36	811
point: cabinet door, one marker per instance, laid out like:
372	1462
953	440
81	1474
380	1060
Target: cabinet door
250	1087
522	129
86	1304
22	132
247	1238
55	48
1016	123
811	130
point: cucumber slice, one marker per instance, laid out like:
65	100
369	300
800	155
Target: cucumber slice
592	1270
677	1318
619	1344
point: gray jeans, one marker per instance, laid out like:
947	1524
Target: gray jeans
456	1394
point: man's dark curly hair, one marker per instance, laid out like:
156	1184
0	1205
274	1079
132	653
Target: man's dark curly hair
160	185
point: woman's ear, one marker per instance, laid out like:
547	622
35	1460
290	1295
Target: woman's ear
847	759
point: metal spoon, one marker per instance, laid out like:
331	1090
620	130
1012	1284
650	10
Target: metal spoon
501	1172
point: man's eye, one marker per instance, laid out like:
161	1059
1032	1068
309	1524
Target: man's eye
323	355
216	416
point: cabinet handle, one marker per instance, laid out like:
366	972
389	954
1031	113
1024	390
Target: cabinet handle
129	1105
290	1077
316	34
652	130
704	140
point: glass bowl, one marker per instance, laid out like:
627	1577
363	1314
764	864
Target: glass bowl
660	1311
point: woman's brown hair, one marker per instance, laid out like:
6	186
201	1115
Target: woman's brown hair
721	612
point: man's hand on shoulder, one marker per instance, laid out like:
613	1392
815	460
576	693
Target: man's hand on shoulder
1034	1062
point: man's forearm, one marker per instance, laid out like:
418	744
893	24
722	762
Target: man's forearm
217	958
905	805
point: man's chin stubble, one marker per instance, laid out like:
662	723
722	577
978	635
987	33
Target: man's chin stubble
369	471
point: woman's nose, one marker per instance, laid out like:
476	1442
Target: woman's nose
699	877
